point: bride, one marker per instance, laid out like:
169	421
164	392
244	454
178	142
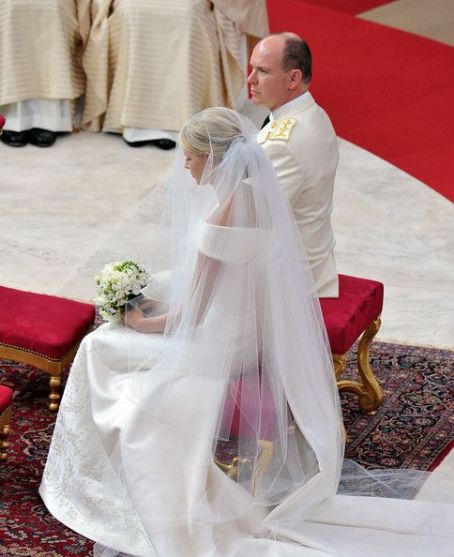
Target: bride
225	353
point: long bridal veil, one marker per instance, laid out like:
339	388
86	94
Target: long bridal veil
223	436
247	372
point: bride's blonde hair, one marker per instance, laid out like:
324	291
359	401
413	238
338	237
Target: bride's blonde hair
212	130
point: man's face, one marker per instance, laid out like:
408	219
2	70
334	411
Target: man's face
268	82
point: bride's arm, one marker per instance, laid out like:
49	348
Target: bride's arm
136	317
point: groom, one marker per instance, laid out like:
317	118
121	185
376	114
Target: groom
302	145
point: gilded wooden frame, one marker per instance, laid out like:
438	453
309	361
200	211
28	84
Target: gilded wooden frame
4	433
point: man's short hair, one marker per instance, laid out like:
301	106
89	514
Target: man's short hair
297	56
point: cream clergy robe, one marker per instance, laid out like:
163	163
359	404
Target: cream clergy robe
41	46
154	63
302	145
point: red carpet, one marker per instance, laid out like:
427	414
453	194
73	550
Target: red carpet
441	456
388	91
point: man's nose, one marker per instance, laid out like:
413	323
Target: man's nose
251	77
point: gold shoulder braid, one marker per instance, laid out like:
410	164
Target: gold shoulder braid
280	129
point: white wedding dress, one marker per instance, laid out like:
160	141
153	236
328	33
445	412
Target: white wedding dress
131	460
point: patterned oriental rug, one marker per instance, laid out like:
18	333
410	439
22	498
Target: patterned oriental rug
414	428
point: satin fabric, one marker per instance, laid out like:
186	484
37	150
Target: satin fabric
125	468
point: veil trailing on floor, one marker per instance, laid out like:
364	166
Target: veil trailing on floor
248	356
221	436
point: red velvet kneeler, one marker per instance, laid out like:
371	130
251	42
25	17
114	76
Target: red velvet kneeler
6	397
241	394
44	331
354	314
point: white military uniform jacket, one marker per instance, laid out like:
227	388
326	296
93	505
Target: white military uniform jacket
302	145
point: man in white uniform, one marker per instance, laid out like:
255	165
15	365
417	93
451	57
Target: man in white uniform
301	143
41	74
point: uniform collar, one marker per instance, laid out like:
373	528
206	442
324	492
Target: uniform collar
293	107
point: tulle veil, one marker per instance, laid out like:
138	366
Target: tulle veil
246	339
240	397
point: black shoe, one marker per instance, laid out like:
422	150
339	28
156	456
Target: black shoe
136	143
164	144
15	139
41	138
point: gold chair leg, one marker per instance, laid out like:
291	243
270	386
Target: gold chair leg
265	454
4	434
54	396
369	391
231	469
373	395
340	363
263	460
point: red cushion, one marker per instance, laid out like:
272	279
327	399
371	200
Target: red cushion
6	396
359	303
46	325
243	394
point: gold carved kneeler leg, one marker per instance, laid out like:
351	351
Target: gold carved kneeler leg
263	460
369	391
4	433
265	453
340	363
54	396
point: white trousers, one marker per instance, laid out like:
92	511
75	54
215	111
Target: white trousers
48	114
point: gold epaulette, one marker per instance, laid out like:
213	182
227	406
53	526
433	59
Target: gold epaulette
280	129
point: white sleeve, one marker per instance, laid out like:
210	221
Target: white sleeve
231	244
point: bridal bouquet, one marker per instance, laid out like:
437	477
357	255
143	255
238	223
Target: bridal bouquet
118	283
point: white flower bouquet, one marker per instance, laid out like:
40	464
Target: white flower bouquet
118	283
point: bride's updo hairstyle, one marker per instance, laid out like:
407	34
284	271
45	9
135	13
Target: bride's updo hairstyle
213	131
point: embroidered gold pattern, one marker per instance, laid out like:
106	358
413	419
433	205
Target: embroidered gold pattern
280	129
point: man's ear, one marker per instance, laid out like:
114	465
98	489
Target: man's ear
295	78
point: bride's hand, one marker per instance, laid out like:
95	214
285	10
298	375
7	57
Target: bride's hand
135	319
147	305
